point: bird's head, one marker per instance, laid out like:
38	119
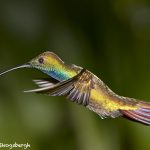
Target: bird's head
47	62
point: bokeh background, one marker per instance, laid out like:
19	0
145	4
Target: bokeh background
110	38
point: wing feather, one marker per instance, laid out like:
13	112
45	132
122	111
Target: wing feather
77	89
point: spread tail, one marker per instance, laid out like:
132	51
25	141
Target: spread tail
141	115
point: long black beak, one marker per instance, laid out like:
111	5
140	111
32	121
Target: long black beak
15	68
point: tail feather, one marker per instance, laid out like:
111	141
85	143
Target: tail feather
141	115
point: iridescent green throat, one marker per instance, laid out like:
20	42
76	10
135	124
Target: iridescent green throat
61	72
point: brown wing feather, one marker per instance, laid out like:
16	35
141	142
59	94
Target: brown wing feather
77	89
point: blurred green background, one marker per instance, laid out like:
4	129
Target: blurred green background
110	38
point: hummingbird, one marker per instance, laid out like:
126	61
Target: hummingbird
83	87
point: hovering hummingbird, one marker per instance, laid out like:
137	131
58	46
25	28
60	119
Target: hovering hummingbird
83	87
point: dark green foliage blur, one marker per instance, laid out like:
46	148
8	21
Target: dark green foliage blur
110	38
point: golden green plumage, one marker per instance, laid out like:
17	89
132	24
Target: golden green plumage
83	87
53	66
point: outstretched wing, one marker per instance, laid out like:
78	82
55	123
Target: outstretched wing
77	89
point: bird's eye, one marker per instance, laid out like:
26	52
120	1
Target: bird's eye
41	60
